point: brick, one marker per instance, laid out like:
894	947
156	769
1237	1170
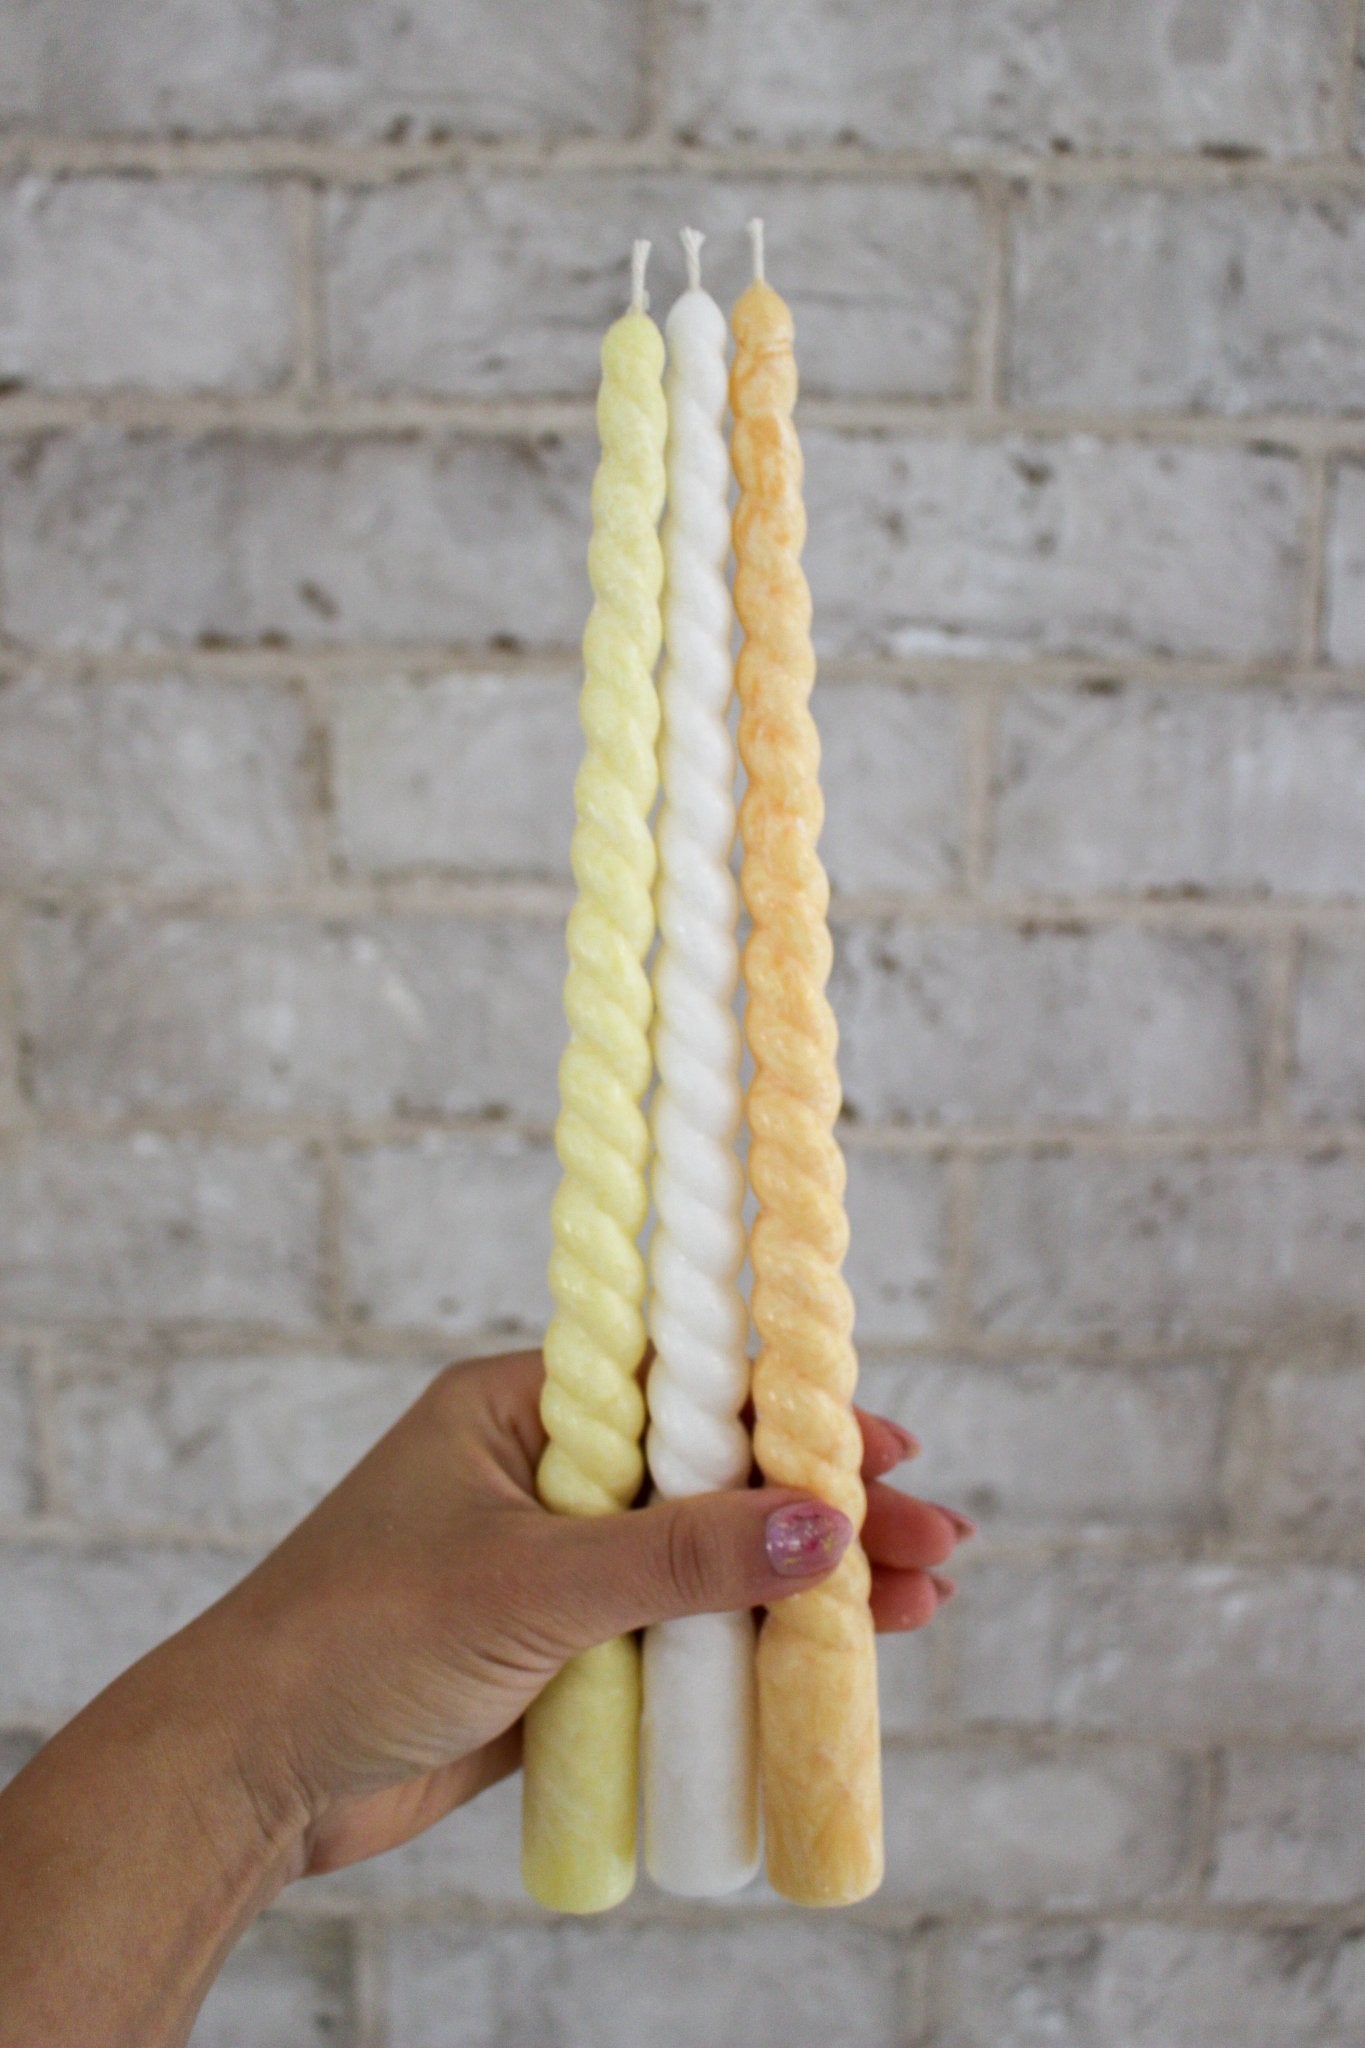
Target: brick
70	1620
893	772
1128	790
1302	1471
395	69
472	1855
1344	602
221	1443
452	1234
469	773
896	1245
1028	1447
18	1451
15	1751
167	782
1169	301
1051	547
286	1984
1223	1250
1212	75
1085	1987
502	285
277	1014
1327	1084
1153	1648
111	542
906	1683
178	285
970	1023
986	1827
605	1985
1291	1829
154	1229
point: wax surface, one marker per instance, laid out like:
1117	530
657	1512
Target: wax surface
582	1734
699	1747
819	1742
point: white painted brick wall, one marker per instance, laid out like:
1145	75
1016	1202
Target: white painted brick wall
1188	301
1104	76
179	782
1291	1828
970	1024
1066	1987
478	286
183	288
297	352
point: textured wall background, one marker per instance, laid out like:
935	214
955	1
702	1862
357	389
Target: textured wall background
298	319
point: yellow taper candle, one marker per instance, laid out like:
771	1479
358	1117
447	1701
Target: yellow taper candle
582	1734
819	1742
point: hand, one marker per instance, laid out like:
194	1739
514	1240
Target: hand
405	1626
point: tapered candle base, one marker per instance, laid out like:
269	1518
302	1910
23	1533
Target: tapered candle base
699	1755
581	1782
821	1752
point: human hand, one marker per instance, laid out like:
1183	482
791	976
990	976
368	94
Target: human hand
403	1628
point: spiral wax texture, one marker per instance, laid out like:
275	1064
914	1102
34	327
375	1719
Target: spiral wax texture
582	1734
699	1737
819	1740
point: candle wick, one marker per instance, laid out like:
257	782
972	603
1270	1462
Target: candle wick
639	297
756	237
692	241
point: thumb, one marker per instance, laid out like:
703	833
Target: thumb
708	1553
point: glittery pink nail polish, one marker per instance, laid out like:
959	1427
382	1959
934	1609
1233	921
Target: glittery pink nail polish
806	1538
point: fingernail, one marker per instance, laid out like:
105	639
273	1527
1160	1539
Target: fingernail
945	1588
909	1443
964	1525
805	1538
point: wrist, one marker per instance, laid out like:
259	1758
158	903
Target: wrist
222	1730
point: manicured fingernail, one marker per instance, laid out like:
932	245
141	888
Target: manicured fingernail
964	1525
910	1444
945	1588
805	1538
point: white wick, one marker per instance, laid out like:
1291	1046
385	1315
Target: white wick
639	297
692	241
756	237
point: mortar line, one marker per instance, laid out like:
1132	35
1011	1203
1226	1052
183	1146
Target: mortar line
1317	490
991	337
364	163
49	1463
1035	1138
316	794
369	1981
306	272
1203	1849
333	1293
1283	963
653	129
325	416
422	662
1344	81
456	894
980	727
959	1226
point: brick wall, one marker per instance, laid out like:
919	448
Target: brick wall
297	339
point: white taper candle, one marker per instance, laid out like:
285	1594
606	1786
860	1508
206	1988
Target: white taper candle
699	1745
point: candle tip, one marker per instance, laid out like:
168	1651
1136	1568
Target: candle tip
756	237
639	297
692	240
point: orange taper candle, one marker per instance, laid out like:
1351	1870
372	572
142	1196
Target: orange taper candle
819	1742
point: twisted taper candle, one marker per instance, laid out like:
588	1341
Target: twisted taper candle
582	1734
698	1747
819	1745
